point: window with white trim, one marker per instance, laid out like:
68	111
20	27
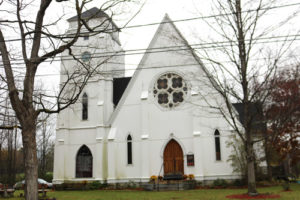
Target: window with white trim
129	149
217	145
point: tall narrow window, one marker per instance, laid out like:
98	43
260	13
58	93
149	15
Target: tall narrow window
84	106
129	149
217	145
84	163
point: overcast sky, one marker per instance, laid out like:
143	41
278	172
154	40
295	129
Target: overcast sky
153	11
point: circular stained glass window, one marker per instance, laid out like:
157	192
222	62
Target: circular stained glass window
86	56
170	90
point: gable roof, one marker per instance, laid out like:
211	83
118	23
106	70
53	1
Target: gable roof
94	13
119	86
257	122
166	20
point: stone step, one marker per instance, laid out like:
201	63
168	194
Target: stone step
173	177
169	186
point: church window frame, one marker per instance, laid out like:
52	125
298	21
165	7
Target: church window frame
190	160
84	163
217	137
129	150
85	105
170	90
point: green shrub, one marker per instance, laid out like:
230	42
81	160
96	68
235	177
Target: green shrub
220	183
95	185
238	182
199	183
131	185
58	187
286	186
20	177
48	177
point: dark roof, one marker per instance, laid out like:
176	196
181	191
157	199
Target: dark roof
119	86
256	116
93	13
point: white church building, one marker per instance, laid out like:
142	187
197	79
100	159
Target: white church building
156	122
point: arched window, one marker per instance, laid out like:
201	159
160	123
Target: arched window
217	145
129	149
84	163
84	106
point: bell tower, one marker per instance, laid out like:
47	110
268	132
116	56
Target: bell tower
99	50
100	47
86	121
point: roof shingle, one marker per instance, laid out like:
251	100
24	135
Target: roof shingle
93	13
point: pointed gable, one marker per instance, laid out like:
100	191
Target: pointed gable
167	36
167	41
168	50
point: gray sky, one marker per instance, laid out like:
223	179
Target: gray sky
135	38
195	31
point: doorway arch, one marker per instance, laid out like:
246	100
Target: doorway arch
173	158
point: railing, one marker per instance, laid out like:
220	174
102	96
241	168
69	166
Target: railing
159	175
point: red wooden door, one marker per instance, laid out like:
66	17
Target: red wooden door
173	158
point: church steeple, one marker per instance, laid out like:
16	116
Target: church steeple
92	14
101	46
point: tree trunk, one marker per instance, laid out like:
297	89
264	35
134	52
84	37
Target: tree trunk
1	161
287	166
9	157
268	159
43	160
15	155
251	170
30	159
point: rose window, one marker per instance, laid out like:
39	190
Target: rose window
170	90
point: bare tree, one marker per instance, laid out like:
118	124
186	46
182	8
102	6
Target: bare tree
45	142
38	44
8	142
236	65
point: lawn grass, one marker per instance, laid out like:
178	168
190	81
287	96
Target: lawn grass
200	194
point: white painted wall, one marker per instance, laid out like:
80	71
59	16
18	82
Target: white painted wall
73	132
148	118
191	124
